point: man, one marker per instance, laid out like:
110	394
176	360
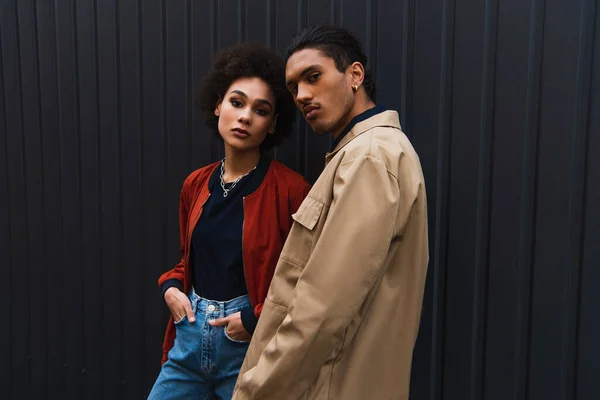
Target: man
342	313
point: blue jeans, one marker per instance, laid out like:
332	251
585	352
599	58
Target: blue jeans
204	362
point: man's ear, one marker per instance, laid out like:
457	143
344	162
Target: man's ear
357	73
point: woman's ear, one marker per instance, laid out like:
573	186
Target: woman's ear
218	107
273	125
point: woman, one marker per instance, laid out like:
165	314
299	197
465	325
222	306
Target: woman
234	218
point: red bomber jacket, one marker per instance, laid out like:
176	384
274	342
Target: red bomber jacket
267	222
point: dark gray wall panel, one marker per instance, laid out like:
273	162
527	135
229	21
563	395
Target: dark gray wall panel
98	130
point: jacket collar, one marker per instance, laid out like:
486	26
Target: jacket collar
386	118
213	178
360	117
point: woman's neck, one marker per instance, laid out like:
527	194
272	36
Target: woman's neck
239	163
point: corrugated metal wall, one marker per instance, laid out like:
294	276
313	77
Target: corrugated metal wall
501	98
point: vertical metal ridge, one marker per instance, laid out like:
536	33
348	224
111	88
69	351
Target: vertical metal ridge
332	16
140	50
271	39
121	231
241	21
484	187
60	267
301	23
572	281
98	152
42	179
214	44
584	202
165	110
372	36
375	37
24	171
141	109
442	191
192	86
98	124
8	210
79	165
190	81
270	34
369	28
404	78
100	186
214	26
338	9
408	27
529	196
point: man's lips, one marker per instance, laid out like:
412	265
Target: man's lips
310	111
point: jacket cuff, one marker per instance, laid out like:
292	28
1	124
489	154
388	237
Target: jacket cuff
169	284
249	320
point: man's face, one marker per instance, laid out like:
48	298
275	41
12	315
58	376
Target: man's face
321	92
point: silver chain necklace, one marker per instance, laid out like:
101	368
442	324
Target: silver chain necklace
225	190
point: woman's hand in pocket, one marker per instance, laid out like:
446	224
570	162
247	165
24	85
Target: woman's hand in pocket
179	305
233	327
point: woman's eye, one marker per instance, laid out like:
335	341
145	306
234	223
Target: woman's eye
262	112
236	103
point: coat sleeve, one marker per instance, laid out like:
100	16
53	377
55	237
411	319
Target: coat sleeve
174	276
341	271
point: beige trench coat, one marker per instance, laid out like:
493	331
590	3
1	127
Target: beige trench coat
342	314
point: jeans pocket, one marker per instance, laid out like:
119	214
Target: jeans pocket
183	319
233	340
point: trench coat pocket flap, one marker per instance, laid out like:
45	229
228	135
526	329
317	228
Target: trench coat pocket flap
308	213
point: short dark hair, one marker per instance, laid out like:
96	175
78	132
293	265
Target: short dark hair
337	43
248	61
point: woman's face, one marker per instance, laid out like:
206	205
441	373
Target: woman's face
246	114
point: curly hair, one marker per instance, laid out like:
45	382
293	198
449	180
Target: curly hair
248	61
339	44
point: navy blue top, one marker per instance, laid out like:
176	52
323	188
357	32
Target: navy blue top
359	118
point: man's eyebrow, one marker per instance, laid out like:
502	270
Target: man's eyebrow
261	101
305	72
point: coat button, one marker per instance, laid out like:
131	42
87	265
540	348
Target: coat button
211	308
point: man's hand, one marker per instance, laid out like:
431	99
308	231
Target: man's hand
233	327
179	305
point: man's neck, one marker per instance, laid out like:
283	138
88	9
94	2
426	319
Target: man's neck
362	104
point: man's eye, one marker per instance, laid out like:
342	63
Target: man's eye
313	77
